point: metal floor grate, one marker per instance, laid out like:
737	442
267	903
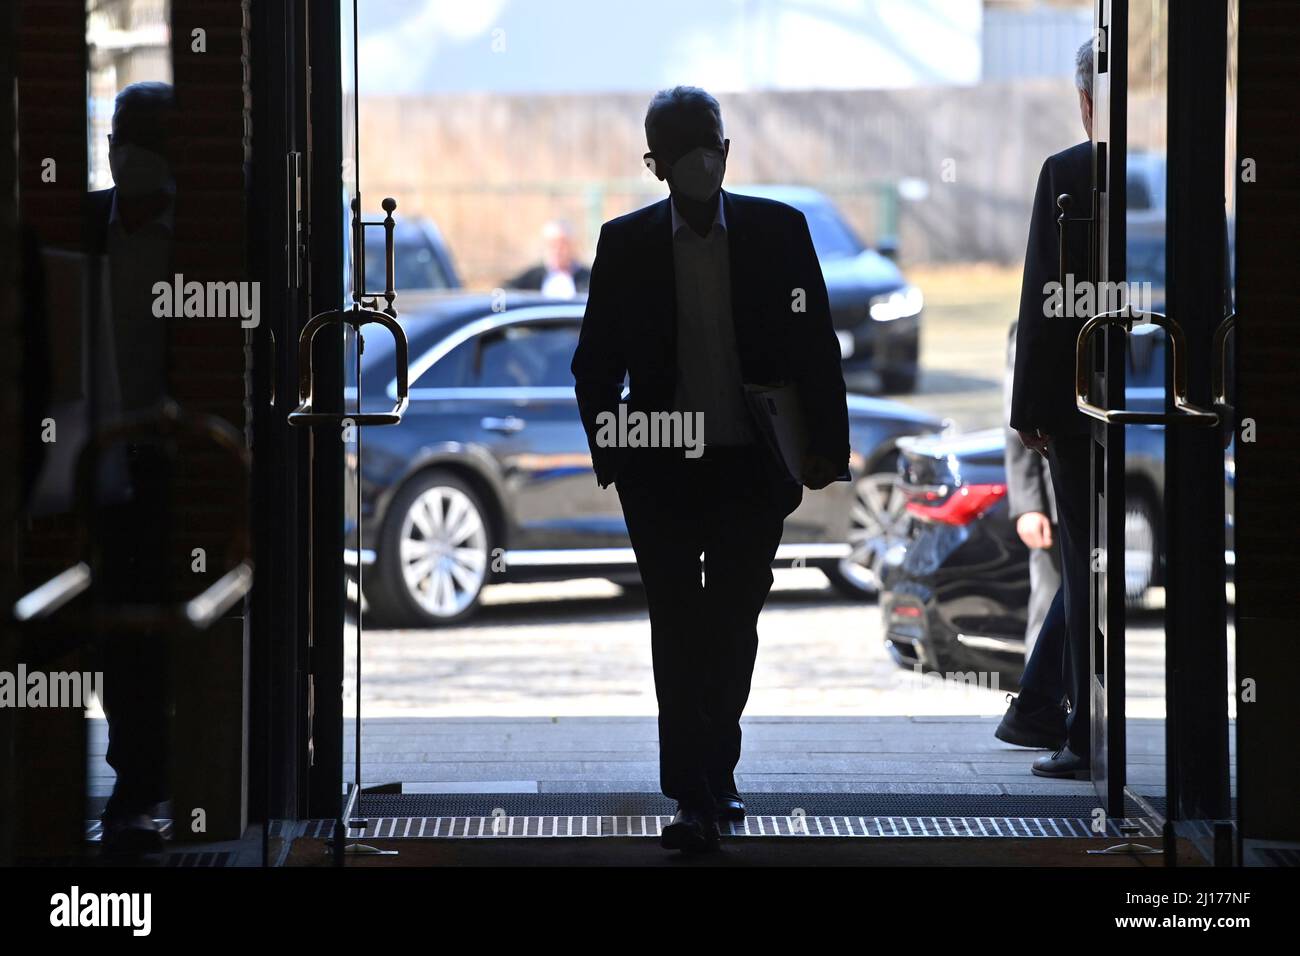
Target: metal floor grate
413	816
759	804
503	826
95	830
1279	856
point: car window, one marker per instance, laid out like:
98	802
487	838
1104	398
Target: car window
831	236
525	356
1139	192
450	371
415	263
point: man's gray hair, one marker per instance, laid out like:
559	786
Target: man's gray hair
1083	68
680	99
141	110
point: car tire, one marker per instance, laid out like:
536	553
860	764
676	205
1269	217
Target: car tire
1141	549
433	556
878	524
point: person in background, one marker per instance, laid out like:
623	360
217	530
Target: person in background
559	275
1029	497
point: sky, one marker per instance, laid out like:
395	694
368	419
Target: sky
561	46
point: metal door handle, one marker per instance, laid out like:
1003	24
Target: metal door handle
506	426
199	612
305	415
274	370
1065	202
1185	413
1219	358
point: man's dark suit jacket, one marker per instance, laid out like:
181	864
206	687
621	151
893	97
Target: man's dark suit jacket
630	327
532	279
1042	396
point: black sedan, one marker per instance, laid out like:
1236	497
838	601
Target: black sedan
877	314
488	477
957	592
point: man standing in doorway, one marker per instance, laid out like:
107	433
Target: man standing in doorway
691	299
1044	413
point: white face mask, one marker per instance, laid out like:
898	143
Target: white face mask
698	174
138	171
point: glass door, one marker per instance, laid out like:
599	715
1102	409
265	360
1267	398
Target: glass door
1146	357
331	404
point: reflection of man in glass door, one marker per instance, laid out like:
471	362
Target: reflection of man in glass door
1044	413
130	226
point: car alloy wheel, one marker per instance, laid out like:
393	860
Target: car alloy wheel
878	527
443	551
1139	550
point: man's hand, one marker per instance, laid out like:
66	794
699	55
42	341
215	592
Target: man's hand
1034	441
1035	529
817	472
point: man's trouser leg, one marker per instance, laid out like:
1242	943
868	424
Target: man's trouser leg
743	530
1070	464
664	523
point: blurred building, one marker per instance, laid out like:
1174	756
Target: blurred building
127	41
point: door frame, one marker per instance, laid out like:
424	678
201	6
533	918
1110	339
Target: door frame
1197	771
1107	382
300	596
1196	659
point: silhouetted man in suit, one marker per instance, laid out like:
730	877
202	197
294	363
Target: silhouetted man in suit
1044	413
691	299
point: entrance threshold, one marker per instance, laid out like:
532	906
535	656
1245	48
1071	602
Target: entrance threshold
486	816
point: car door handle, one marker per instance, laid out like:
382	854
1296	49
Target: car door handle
506	426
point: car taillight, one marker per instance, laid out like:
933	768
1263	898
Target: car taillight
961	507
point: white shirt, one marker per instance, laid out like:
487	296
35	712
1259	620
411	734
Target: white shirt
559	284
708	365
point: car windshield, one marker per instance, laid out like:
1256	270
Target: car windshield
831	236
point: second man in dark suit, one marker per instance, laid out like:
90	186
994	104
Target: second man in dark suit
1044	413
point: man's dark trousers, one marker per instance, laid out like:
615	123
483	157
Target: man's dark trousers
1047	672
704	636
136	664
1069	461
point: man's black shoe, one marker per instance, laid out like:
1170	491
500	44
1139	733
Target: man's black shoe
1065	764
731	809
691	832
131	835
1040	729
